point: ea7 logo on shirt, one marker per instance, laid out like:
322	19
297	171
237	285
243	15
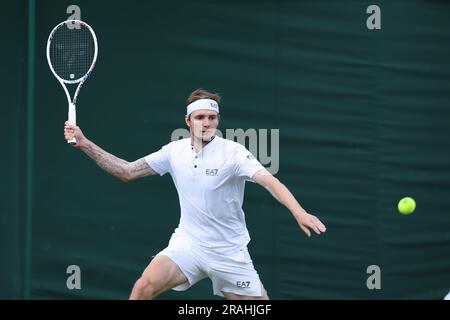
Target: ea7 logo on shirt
243	284
212	172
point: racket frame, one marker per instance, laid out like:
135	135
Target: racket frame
72	115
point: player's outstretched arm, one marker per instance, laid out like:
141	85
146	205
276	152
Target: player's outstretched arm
122	169
280	192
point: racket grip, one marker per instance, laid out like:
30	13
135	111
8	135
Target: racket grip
72	114
72	120
72	141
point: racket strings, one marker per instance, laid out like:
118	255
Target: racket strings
72	51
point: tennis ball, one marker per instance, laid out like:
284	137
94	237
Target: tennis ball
406	206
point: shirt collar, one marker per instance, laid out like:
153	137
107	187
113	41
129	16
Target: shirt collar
211	142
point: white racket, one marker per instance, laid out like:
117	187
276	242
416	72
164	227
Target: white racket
71	54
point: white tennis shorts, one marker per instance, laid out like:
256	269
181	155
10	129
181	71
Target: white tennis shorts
234	273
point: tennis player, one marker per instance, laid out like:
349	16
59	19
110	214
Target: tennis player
209	174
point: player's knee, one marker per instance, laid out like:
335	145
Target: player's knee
144	289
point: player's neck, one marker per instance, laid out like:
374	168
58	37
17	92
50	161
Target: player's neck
199	144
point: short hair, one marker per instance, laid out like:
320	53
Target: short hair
202	94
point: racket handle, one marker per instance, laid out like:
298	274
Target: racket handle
72	120
72	141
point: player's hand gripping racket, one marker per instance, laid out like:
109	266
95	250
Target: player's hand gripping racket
71	54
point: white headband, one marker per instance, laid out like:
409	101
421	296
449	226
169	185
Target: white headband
207	104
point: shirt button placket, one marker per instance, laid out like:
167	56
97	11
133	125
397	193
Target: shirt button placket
195	164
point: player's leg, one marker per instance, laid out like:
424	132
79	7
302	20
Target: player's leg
161	275
233	296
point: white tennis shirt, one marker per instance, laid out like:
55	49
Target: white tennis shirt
210	186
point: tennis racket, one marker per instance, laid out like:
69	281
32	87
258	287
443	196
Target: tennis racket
71	54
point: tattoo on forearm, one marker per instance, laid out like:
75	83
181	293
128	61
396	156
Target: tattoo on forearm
139	168
108	162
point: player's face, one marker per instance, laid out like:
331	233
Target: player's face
203	124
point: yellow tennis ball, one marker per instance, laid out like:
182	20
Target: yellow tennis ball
407	205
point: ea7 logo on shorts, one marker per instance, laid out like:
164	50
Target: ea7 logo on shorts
212	172
243	284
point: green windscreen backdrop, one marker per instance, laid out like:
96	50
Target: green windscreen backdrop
363	118
13	125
